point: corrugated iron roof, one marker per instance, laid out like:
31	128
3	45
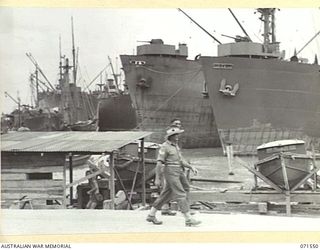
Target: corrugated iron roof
69	141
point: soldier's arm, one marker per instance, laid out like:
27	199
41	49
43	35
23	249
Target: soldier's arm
159	168
186	164
160	162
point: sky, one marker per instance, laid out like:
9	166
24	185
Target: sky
100	33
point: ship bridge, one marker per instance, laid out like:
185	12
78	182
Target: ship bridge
157	47
250	49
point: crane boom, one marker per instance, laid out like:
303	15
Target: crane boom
87	87
7	94
244	31
308	42
19	106
199	26
43	83
38	67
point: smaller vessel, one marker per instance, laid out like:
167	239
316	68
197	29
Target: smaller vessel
284	162
115	109
33	118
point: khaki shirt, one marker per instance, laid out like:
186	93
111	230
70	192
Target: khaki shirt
170	155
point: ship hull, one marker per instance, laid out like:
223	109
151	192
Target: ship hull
43	122
37	121
275	100
116	113
86	104
164	88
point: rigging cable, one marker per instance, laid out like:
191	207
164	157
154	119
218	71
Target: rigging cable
170	97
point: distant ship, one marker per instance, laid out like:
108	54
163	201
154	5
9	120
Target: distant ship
77	106
163	85
63	106
258	97
115	110
31	118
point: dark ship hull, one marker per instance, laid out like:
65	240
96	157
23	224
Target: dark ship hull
116	113
44	119
43	122
275	100
75	106
34	120
168	87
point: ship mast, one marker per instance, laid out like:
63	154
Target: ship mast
115	76
37	88
268	18
60	64
73	55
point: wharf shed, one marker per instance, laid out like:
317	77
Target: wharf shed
30	161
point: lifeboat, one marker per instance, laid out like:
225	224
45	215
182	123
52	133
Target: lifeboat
285	163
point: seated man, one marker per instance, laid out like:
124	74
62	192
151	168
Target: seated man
93	192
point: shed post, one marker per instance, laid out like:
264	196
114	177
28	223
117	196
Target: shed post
71	177
286	184
315	179
64	198
111	183
288	203
143	173
229	149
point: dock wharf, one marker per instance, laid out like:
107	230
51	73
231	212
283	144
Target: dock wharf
214	190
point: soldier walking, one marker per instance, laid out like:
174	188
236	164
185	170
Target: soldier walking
176	182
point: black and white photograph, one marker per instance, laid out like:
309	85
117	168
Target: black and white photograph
160	125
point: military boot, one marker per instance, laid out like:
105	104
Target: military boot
153	219
192	222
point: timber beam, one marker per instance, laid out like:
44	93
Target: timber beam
254	196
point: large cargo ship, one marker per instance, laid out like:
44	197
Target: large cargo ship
61	106
258	97
163	85
76	105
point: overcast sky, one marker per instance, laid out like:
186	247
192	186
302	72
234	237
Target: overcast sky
100	33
